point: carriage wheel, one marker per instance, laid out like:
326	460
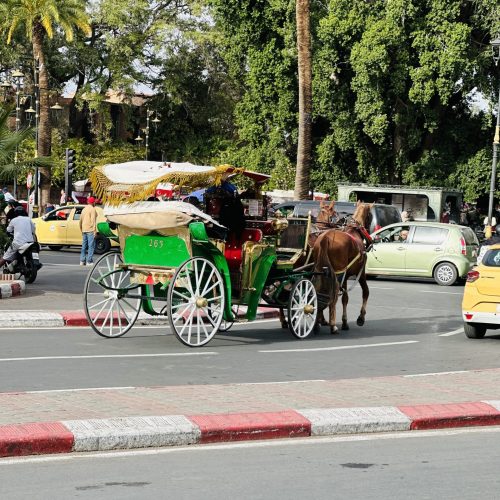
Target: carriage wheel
109	312
302	308
196	302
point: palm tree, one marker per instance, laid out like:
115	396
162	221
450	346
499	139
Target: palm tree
302	174
39	18
9	144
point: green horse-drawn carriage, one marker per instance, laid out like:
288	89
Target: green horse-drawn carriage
176	261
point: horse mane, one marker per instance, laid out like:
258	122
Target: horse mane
362	213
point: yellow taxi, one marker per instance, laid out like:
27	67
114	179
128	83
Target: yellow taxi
481	301
61	227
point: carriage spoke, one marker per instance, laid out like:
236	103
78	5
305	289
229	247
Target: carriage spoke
101	294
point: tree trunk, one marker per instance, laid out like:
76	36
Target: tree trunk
44	131
302	173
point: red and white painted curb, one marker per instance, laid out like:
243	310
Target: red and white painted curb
12	288
41	319
180	430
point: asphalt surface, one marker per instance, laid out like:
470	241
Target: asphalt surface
403	334
424	465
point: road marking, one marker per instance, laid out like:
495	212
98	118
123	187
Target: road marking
74	390
436	374
381	288
338	348
271	443
454	332
447	293
61	265
162	355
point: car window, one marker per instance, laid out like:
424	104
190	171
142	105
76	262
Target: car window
59	214
430	235
469	236
397	234
78	213
492	258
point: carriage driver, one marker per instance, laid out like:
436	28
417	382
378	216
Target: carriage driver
224	205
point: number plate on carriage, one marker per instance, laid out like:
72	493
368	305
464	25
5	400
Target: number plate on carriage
35	255
162	251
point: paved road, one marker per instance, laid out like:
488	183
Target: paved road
403	335
445	464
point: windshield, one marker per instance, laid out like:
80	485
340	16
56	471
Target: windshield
492	258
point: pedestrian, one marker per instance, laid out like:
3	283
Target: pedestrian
88	226
407	215
445	216
7	196
62	200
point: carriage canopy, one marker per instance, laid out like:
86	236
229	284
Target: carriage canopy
137	180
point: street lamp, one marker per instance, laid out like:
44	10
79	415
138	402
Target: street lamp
495	47
17	76
155	121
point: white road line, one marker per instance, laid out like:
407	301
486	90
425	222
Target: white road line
380	287
338	348
271	443
454	332
74	390
61	265
162	355
447	293
436	374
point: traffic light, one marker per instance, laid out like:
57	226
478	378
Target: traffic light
70	161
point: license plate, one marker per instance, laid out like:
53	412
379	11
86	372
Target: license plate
35	255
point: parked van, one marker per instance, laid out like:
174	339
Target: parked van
427	203
382	215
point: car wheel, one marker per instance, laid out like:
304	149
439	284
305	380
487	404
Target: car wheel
55	247
474	331
445	274
102	244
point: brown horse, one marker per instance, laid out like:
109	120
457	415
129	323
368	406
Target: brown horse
342	252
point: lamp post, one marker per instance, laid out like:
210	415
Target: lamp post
36	85
495	47
17	76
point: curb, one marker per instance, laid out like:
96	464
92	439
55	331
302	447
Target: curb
12	288
180	430
41	319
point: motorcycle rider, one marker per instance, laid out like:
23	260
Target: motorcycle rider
23	230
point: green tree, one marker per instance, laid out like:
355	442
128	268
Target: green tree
10	143
40	19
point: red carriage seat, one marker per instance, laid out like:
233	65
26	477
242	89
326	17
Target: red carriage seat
234	246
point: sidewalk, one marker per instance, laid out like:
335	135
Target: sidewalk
105	419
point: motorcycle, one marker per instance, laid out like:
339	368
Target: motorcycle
27	262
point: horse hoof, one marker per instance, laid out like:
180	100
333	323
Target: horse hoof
334	330
360	321
284	325
316	328
345	326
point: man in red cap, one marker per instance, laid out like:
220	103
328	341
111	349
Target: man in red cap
88	226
